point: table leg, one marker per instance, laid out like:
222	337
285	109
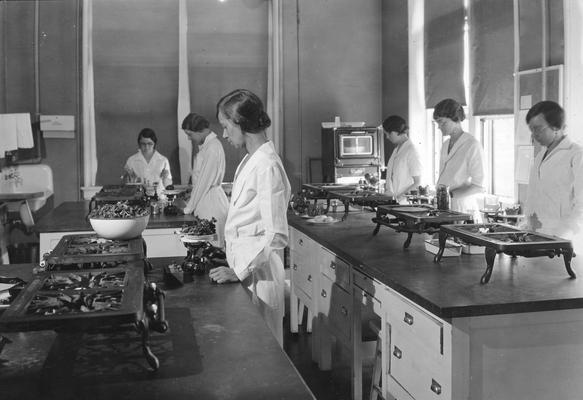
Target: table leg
408	240
490	254
144	330
442	240
568	255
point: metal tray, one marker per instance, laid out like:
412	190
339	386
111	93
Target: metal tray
90	248
500	238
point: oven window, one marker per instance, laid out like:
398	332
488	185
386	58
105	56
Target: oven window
356	146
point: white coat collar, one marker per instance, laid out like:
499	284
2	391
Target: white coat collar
208	139
247	165
456	146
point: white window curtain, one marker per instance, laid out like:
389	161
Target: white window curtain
184	144
274	80
89	140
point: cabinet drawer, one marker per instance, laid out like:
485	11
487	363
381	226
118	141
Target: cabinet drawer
302	276
336	269
335	304
425	378
370	290
415	323
299	241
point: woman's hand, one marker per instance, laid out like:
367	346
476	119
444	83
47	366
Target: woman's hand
223	275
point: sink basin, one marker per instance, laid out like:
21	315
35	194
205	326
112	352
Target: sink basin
33	178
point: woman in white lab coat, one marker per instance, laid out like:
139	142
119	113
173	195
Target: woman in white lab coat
207	198
554	202
461	165
256	231
147	164
404	166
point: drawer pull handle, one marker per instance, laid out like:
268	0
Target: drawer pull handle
300	242
408	319
398	353
332	265
435	387
309	278
344	311
324	294
295	267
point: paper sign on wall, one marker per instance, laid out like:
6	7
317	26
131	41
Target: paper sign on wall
57	123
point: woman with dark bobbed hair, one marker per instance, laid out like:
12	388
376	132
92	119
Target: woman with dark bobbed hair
147	165
207	198
461	165
256	230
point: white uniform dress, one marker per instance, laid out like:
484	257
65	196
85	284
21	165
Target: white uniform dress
150	171
464	164
403	165
256	231
207	198
555	193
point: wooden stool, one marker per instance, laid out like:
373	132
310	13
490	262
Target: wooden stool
376	392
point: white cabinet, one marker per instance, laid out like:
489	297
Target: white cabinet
418	357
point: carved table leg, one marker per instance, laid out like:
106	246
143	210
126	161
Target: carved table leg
490	254
408	240
144	329
568	255
442	240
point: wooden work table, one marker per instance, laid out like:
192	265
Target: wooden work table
71	217
217	347
444	334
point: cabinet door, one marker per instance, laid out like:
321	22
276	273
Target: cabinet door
336	269
335	308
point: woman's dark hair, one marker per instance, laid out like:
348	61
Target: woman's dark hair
449	108
244	108
194	122
148	134
394	123
551	112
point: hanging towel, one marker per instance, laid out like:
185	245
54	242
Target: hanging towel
8	133
24	131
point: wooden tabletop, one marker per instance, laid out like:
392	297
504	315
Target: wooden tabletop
217	347
70	216
452	287
16	196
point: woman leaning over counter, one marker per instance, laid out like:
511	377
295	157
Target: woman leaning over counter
207	198
461	164
256	231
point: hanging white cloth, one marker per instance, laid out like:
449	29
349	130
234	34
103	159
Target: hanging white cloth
184	144
89	140
9	140
274	70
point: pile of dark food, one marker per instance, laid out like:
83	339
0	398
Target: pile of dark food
80	281
80	266
63	303
200	227
96	245
119	210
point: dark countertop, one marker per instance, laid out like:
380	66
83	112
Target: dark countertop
70	216
218	347
451	288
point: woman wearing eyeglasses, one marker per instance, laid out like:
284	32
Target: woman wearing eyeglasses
147	165
554	202
403	167
461	165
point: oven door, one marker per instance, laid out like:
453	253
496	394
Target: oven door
357	144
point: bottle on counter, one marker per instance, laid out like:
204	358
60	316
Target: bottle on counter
442	197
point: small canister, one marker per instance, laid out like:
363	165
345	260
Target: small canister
442	197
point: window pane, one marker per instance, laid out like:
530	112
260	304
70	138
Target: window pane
503	157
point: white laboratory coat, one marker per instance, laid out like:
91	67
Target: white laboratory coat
150	171
403	165
464	164
207	198
256	231
555	193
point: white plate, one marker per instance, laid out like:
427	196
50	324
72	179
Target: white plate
197	238
315	221
172	192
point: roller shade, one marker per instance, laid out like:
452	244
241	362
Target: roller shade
492	57
444	51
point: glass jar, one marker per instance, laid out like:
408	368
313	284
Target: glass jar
442	197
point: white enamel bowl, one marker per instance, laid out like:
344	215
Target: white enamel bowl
120	229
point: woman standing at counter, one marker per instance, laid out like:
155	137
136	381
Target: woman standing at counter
256	231
461	165
147	164
403	167
207	198
554	202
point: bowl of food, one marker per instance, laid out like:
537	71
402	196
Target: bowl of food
119	221
199	230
